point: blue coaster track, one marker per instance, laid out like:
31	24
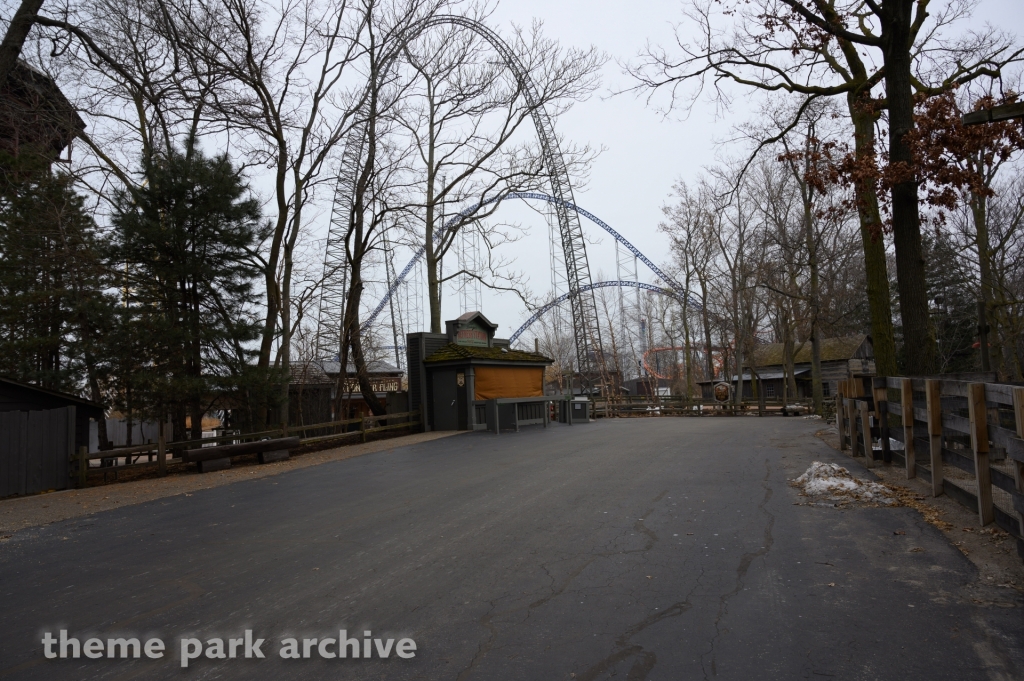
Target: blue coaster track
675	289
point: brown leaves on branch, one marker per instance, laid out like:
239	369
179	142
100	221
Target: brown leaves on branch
949	158
952	158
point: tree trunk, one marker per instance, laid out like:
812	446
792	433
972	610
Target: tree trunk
738	397
918	334
980	214
17	33
687	345
433	283
812	265
705	319
817	392
787	358
875	266
286	328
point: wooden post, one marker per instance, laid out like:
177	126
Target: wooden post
865	426
881	395
840	416
907	406
979	443
362	428
83	466
1018	413
933	396
161	450
852	416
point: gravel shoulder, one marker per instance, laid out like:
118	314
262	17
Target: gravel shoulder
20	513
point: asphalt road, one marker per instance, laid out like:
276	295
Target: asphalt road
664	548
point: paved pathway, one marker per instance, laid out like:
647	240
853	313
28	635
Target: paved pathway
637	549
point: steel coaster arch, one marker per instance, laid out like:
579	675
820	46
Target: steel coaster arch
601	284
400	279
584	307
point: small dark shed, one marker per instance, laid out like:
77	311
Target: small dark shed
17	396
40	430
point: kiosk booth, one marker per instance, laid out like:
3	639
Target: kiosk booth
466	379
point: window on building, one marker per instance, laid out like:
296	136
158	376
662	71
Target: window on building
769	390
826	388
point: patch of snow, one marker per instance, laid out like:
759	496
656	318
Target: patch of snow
834	480
894	446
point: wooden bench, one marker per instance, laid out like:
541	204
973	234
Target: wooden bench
218	458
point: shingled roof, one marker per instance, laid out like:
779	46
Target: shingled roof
832	350
452	352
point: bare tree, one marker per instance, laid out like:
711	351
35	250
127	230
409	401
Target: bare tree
820	49
288	100
468	121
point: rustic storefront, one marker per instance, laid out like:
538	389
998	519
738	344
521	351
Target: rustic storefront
458	376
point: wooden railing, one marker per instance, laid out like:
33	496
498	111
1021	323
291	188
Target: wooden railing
160	448
677	405
965	438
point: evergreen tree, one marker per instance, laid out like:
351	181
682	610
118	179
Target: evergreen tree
187	245
55	313
954	304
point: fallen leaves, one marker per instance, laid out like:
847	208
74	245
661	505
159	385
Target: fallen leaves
931	514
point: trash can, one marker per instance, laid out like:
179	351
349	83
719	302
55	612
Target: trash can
580	410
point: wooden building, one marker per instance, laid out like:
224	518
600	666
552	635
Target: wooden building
841	358
313	392
17	396
40	432
37	121
453	375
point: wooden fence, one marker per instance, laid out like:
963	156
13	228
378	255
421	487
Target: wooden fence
965	438
677	405
156	453
35	448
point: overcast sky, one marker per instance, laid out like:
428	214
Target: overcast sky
645	153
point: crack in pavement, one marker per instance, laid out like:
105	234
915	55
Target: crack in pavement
647	660
639	526
485	646
741	569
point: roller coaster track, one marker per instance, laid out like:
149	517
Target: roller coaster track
456	219
601	284
584	306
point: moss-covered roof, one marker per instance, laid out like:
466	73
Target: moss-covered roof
832	349
453	352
